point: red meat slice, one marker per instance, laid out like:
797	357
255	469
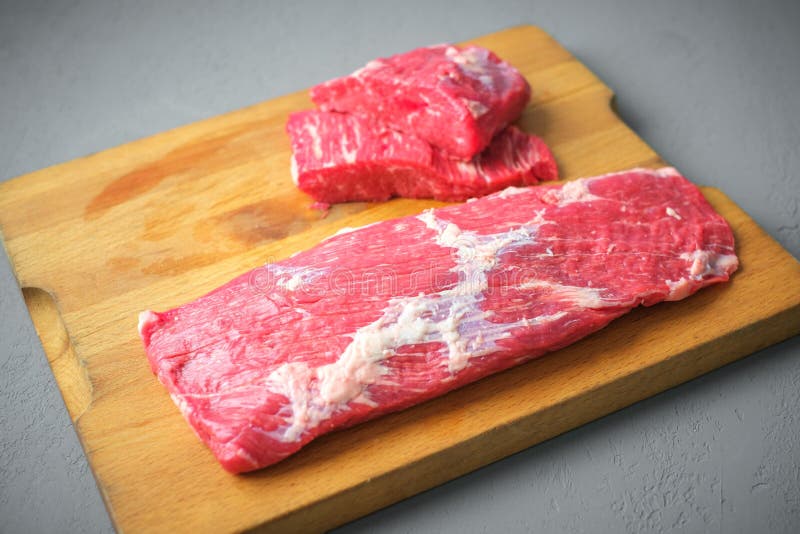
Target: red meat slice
455	98
338	157
380	318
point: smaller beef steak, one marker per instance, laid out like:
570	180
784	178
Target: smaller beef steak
338	157
455	98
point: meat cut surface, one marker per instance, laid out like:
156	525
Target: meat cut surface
338	157
380	318
455	98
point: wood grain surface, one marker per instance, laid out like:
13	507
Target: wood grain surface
163	220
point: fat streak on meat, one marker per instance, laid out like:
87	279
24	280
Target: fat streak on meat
339	157
456	98
380	318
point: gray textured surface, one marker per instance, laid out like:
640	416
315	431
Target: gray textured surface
711	86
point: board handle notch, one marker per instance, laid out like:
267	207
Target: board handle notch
73	375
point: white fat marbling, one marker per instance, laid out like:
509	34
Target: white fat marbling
476	109
350	147
146	317
472	61
288	277
584	297
570	192
316	140
452	317
702	263
347	229
293	170
674	214
510	191
292	283
678	289
706	262
291	380
663	172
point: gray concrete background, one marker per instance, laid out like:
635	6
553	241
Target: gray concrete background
712	86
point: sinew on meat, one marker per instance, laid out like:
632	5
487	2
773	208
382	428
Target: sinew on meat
455	98
384	317
339	157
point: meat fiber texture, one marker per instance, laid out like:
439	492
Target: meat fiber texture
338	157
380	318
455	98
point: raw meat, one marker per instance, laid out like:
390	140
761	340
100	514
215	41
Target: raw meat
383	317
338	157
454	98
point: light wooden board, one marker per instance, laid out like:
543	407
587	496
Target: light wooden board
161	221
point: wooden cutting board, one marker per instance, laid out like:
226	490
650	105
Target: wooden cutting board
161	221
